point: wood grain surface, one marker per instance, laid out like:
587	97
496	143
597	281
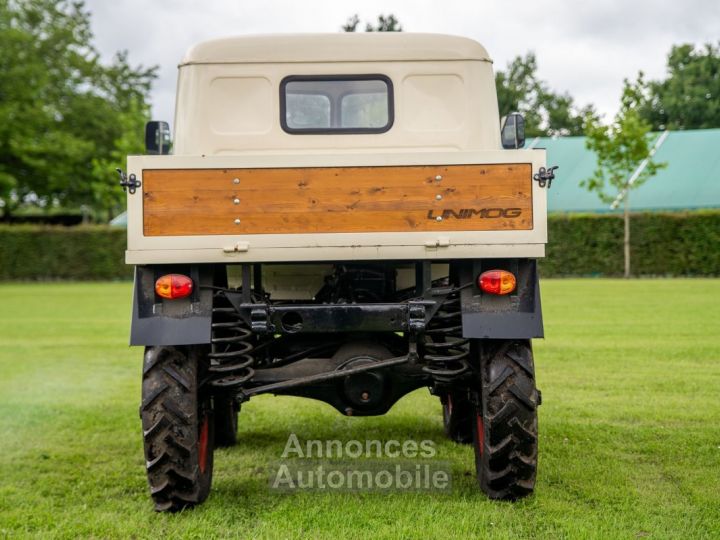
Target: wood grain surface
184	202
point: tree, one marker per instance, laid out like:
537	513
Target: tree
689	98
388	23
624	154
61	109
546	113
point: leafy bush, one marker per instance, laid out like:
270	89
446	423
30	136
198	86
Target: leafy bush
75	253
672	244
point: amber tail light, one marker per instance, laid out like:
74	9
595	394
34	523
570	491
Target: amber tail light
497	282
174	286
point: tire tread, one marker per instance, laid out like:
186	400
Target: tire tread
507	464
169	413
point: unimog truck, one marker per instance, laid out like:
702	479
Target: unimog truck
345	218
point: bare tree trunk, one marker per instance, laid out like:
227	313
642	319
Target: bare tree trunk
626	245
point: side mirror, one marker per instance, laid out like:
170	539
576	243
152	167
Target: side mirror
512	132
157	138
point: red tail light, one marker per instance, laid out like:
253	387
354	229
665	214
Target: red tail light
497	282
174	286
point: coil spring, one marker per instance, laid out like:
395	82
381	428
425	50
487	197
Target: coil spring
231	359
446	351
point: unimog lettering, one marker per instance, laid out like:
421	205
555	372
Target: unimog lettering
340	219
484	213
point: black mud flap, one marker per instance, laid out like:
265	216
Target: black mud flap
184	321
514	316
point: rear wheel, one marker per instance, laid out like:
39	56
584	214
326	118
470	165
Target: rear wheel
458	416
226	411
505	432
178	427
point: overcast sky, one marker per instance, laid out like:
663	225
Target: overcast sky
583	47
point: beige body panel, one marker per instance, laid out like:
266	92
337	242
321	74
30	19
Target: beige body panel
232	109
429	244
228	100
336	47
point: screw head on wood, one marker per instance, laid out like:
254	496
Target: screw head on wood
237	221
236	180
439	218
236	201
438	178
438	197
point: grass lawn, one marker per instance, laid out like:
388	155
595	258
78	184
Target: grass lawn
629	429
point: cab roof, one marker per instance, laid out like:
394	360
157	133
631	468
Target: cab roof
338	47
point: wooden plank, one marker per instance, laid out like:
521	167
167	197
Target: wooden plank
337	199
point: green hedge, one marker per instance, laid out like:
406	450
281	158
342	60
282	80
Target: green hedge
678	244
29	252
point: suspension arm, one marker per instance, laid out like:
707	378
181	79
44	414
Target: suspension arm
323	377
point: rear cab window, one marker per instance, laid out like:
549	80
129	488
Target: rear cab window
317	104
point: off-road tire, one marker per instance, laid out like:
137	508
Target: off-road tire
177	427
226	411
505	430
458	416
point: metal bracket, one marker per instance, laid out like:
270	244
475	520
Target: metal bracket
545	176
259	320
416	317
130	185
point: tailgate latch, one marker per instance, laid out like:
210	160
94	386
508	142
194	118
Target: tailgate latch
128	184
545	176
241	247
440	241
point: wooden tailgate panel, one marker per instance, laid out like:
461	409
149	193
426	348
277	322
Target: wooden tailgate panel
185	202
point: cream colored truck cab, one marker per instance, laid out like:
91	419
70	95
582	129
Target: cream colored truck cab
341	218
